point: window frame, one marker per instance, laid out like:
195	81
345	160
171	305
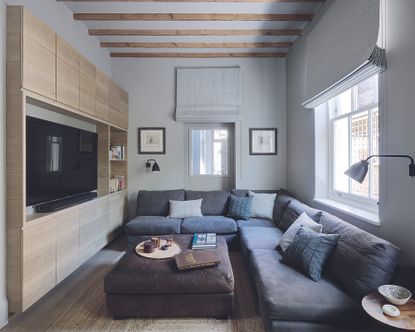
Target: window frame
354	200
190	152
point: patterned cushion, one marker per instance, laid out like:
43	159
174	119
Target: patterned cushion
289	235
262	205
184	209
309	252
239	207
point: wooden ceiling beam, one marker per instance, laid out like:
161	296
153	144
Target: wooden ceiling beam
231	1
195	45
188	32
189	17
236	1
197	55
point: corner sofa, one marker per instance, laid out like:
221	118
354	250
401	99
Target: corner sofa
288	300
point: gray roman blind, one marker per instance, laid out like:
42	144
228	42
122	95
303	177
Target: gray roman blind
346	47
208	94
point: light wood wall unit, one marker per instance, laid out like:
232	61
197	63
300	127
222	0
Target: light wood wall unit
43	249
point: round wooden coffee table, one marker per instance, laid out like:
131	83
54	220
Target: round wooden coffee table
373	303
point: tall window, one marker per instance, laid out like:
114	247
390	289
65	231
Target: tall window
354	135
209	151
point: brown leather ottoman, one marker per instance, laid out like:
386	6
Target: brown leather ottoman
142	287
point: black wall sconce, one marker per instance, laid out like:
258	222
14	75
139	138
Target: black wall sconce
359	170
155	168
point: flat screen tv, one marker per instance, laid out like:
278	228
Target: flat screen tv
61	161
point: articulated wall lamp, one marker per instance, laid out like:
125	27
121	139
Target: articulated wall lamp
359	170
155	168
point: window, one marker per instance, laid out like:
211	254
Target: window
209	151
354	135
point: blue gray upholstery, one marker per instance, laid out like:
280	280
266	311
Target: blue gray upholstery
214	202
156	203
286	294
259	238
209	224
361	262
293	211
153	225
255	222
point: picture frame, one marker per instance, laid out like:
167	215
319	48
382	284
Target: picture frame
263	141
152	140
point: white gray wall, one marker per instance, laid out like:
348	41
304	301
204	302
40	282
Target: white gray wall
151	87
397	213
3	293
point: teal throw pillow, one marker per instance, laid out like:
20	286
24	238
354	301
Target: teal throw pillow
239	207
309	251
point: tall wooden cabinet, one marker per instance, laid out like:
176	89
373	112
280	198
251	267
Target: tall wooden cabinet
42	68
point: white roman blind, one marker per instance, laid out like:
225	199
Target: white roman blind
208	94
345	47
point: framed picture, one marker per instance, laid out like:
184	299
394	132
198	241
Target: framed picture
263	141
151	140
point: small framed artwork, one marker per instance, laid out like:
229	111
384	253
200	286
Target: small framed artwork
151	140
263	141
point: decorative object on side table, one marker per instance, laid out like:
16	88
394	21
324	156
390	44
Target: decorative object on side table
373	305
161	249
395	294
263	141
152	140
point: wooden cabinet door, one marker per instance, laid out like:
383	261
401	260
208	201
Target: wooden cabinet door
87	87
68	74
89	237
39	260
117	209
102	95
67	243
124	109
115	100
103	207
39	57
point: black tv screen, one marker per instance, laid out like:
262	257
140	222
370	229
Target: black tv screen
61	161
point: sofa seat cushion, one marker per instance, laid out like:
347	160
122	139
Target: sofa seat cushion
152	225
209	224
259	238
255	222
288	295
215	203
156	202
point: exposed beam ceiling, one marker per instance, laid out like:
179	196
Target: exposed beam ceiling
195	28
188	32
197	55
189	17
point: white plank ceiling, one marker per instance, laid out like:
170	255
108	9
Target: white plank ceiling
261	28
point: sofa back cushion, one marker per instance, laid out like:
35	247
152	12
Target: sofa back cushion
214	202
361	262
156	203
294	209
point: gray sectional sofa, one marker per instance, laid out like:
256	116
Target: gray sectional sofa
288	300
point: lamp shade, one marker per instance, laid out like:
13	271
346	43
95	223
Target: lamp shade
156	168
358	171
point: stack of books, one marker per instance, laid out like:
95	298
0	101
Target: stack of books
204	241
117	183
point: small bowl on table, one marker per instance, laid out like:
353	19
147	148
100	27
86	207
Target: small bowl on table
395	294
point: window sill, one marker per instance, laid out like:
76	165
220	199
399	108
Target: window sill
364	215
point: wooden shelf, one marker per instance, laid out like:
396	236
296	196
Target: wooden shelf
118	159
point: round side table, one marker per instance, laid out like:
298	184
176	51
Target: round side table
373	303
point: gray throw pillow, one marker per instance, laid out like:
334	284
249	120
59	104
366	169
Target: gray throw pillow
289	235
186	209
309	252
293	211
